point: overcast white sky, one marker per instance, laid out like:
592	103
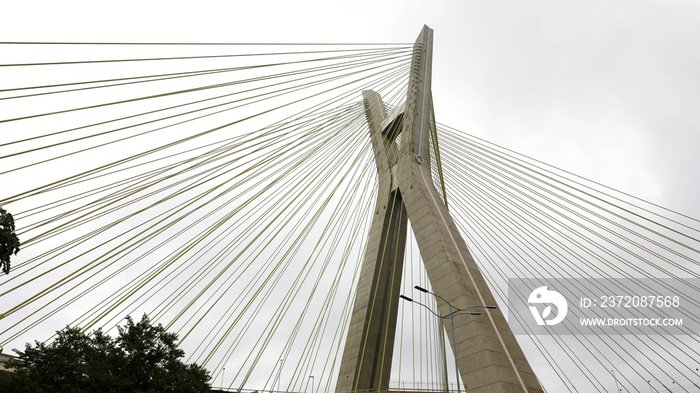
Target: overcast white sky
607	90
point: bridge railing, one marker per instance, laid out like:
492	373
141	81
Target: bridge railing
426	387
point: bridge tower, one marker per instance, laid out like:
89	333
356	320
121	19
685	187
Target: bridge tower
488	356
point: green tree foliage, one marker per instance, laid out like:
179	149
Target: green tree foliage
9	243
142	359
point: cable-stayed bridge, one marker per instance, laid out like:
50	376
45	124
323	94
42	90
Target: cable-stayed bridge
229	192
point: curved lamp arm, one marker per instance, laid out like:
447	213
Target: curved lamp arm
457	310
433	312
420	304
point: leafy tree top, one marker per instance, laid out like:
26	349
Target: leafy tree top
9	243
142	358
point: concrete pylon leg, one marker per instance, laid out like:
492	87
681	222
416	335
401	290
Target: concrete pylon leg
366	364
488	356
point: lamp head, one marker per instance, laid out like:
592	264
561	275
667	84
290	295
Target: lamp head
421	289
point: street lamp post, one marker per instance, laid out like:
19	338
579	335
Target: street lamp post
617	386
279	378
453	311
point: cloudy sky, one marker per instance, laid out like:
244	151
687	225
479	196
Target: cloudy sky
607	90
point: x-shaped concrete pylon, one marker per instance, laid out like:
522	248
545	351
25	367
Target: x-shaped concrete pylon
488	356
